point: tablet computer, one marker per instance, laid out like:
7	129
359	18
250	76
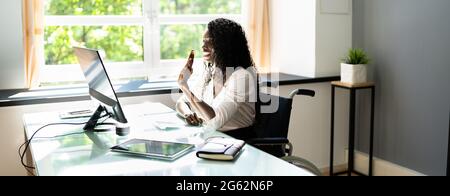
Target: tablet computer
153	149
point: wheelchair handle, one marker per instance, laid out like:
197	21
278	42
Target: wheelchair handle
305	92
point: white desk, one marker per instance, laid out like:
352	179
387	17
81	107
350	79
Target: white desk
89	154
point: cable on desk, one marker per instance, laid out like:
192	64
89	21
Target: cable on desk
77	133
28	142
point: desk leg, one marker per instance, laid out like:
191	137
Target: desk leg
372	117
29	159
332	131
351	138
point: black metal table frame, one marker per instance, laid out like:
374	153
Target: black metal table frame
351	142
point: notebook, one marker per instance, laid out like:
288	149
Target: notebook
219	148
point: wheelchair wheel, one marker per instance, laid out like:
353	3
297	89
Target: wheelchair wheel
303	163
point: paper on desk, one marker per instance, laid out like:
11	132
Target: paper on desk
146	109
167	125
188	135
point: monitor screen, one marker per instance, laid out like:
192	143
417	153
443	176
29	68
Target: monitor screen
100	87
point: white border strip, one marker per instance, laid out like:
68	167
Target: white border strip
196	19
381	167
134	20
93	20
53	73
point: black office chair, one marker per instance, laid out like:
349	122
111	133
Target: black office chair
271	129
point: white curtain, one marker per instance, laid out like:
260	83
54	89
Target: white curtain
33	30
259	33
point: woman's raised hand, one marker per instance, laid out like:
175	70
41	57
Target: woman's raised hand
187	71
193	120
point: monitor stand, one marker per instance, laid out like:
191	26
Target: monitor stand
92	125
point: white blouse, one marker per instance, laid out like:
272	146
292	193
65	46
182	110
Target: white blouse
234	106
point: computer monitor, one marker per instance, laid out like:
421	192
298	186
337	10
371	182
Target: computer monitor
100	90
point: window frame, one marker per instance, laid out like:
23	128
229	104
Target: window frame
151	21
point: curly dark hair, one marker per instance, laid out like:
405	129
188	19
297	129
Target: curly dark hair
230	44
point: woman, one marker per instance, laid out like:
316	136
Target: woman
224	99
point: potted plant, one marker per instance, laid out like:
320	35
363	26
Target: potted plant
354	67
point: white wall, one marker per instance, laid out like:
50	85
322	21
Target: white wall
293	36
12	73
334	35
309	129
310	37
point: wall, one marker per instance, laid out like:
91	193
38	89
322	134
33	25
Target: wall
309	129
12	73
408	41
309	38
334	35
293	40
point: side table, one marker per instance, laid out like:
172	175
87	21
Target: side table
351	138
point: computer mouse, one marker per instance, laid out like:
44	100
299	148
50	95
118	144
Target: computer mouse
122	130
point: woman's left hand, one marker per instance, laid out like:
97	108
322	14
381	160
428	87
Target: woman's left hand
187	71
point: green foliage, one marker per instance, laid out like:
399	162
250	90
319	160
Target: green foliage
125	43
178	40
121	43
357	57
93	7
200	6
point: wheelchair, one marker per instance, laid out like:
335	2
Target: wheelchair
271	129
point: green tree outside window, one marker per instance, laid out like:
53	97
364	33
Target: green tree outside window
125	43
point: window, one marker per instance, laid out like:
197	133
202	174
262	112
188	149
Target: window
140	38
